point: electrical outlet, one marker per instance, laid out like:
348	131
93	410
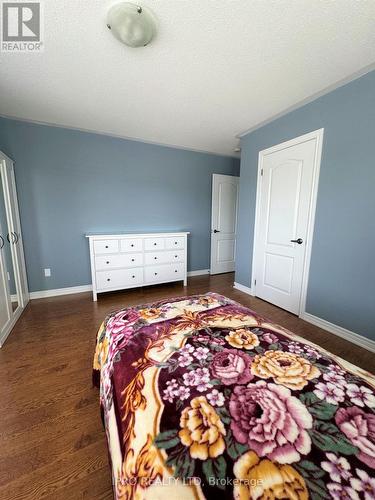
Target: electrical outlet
47	273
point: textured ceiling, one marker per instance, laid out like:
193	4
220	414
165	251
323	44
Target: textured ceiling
215	69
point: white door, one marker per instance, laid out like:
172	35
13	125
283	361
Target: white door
5	303
13	281
16	236
285	211
223	223
7	283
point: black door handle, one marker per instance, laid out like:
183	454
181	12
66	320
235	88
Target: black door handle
299	241
216	231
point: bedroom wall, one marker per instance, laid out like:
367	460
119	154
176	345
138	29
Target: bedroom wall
342	274
71	182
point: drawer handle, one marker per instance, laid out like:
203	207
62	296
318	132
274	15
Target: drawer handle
132	245
106	246
108	279
155	244
176	256
133	276
132	260
155	258
107	262
156	274
175	270
175	242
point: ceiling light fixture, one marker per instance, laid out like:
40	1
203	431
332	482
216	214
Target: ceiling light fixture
132	24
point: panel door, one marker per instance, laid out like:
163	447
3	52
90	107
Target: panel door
286	192
224	223
20	297
7	282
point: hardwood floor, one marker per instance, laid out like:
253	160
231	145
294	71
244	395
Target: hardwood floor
52	444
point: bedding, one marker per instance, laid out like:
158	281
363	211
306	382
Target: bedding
203	398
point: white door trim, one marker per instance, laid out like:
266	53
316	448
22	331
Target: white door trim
318	135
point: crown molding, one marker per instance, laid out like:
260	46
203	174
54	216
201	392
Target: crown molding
307	100
117	136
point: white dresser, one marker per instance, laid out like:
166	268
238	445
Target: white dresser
120	261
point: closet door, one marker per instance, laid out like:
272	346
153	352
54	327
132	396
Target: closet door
13	283
7	281
15	236
5	310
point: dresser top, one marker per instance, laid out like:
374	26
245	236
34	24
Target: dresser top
133	233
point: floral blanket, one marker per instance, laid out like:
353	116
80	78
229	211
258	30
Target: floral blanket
203	398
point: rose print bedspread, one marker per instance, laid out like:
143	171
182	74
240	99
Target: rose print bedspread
203	398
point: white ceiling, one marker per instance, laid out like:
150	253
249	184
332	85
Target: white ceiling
216	68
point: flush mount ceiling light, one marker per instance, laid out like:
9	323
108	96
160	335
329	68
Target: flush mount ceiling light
131	24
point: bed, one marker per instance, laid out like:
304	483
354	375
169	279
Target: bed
203	398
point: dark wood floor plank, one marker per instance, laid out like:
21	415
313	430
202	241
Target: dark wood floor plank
14	423
58	474
36	449
52	444
96	485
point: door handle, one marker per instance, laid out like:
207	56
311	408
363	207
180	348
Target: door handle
299	241
2	242
216	231
14	239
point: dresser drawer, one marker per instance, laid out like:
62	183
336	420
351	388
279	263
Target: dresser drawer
119	278
154	258
154	243
131	245
106	246
174	242
104	262
168	272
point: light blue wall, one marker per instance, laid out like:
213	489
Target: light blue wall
342	273
72	182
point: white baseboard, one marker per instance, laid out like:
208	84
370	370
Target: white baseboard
339	331
355	338
243	288
41	294
199	272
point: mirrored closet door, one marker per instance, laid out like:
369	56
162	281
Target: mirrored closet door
13	282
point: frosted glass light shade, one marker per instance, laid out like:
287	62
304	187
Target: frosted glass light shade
131	24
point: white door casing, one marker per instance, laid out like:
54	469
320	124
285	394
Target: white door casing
286	198
225	190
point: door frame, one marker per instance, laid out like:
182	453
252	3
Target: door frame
212	212
318	136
